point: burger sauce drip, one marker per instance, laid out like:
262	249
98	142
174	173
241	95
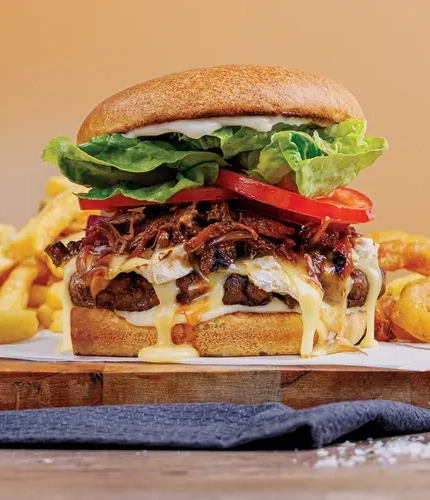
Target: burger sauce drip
164	350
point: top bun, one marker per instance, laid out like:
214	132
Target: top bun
233	90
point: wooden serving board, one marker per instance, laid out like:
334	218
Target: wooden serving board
30	384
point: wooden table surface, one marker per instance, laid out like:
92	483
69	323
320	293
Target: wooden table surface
26	384
206	475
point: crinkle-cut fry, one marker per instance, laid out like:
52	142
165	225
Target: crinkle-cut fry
56	324
57	185
411	312
7	234
44	315
54	297
17	325
15	291
37	296
400	250
45	227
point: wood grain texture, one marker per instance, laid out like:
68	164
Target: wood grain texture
66	474
25	384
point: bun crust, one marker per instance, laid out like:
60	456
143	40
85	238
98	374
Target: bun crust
230	90
100	332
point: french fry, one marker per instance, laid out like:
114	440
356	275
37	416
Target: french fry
45	276
37	296
30	284
7	234
54	297
17	325
45	227
14	293
80	223
57	185
57	322
42	204
76	236
57	272
44	315
6	264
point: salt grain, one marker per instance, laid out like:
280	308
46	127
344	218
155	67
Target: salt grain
331	461
322	452
383	452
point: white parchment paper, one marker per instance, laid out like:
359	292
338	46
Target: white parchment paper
44	347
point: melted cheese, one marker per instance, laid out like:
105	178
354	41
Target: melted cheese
69	270
206	126
333	316
268	273
310	296
199	311
163	266
294	281
165	351
365	259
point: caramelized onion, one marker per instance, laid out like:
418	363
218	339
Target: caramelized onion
232	236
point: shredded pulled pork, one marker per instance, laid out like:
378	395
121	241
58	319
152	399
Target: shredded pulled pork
213	234
61	253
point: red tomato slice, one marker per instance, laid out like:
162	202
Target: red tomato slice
344	205
206	193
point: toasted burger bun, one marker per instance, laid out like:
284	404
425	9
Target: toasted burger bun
235	90
100	332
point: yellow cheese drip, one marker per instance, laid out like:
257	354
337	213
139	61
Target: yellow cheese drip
165	351
309	296
370	267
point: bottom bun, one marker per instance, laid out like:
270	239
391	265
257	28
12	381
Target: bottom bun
100	332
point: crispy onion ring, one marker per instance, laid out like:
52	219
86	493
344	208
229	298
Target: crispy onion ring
400	250
411	312
385	329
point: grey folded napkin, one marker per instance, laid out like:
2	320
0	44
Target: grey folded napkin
209	425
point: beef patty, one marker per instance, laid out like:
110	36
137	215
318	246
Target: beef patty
132	292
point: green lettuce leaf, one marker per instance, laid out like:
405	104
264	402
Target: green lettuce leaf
200	175
140	167
329	158
318	160
235	140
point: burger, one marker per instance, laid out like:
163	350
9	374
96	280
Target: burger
226	226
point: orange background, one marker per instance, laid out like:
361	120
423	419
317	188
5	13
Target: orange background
59	59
